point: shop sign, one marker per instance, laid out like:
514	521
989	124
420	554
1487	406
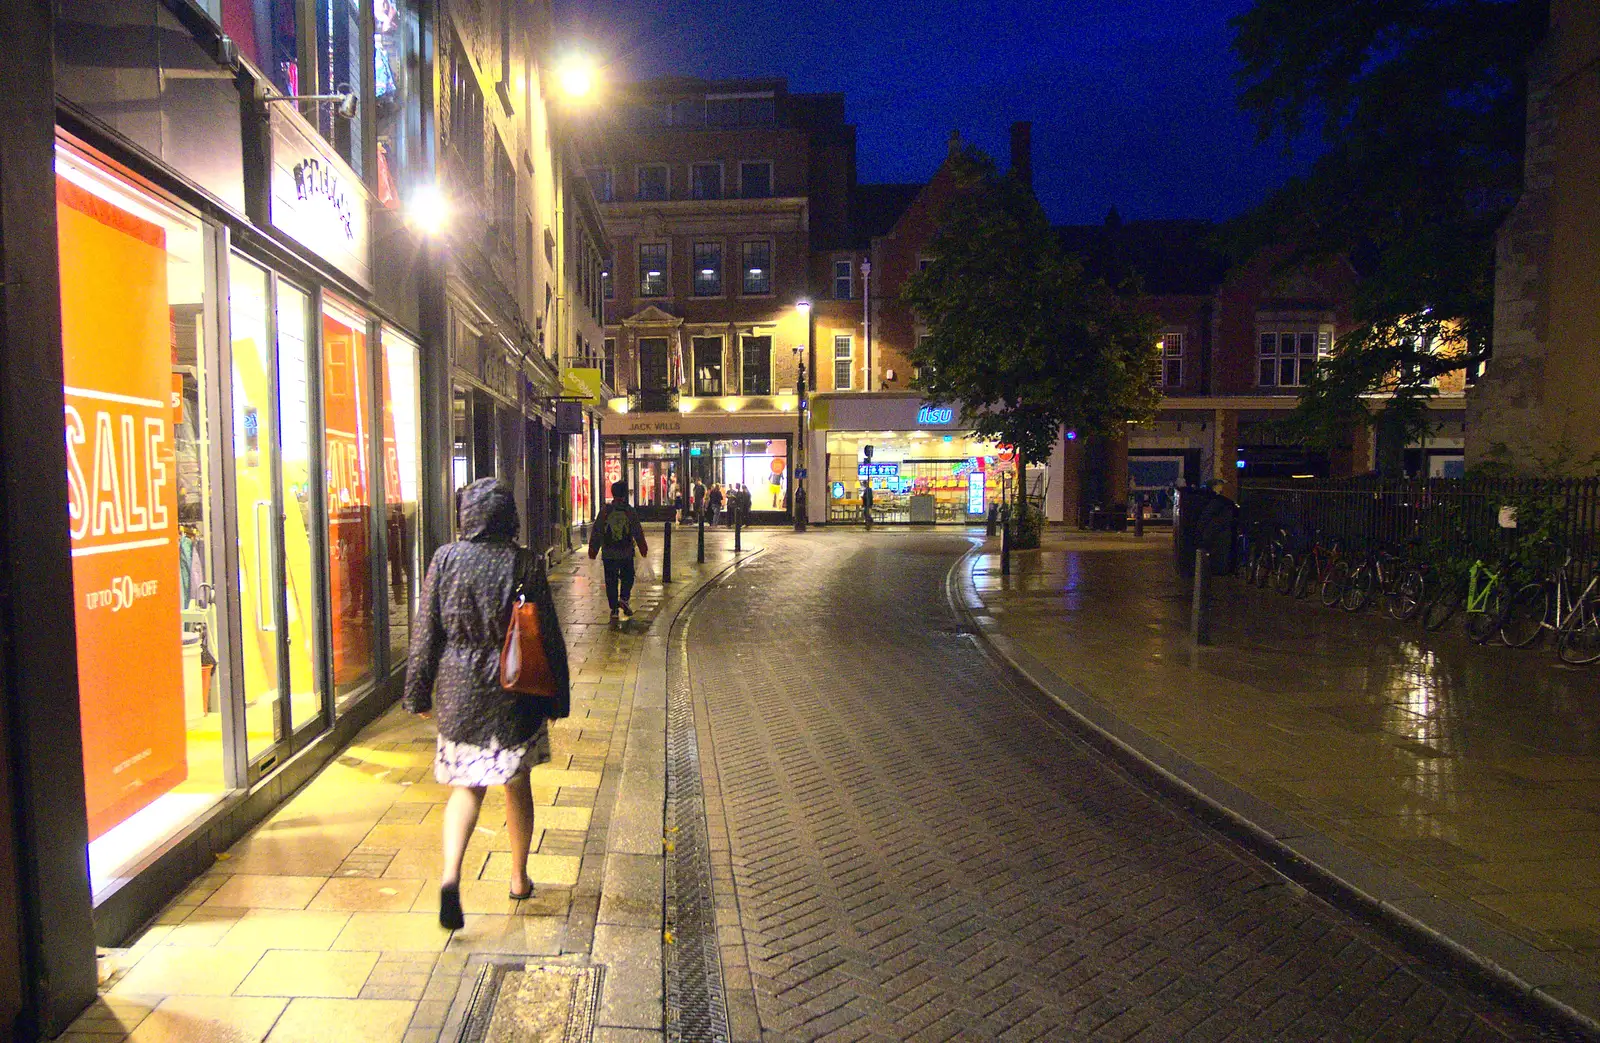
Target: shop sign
585	381
837	489
495	370
977	493
878	470
122	503
316	198
936	416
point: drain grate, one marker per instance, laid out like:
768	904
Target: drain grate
514	1002
696	1002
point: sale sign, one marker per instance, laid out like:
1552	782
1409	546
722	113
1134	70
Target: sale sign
122	507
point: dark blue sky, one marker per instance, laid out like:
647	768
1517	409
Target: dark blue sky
1132	101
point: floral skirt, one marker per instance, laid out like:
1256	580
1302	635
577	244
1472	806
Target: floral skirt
463	764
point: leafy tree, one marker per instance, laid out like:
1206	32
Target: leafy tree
1018	336
1421	106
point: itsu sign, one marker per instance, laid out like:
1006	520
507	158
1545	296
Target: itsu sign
316	198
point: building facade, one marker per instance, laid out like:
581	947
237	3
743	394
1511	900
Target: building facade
1536	398
235	396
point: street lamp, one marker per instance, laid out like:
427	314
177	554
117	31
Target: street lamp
428	211
576	75
803	306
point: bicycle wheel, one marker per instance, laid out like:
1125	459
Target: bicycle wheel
1359	590
1485	623
1265	566
1578	641
1283	573
1409	594
1334	582
1525	616
1303	576
1439	611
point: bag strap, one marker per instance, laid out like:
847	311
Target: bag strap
526	575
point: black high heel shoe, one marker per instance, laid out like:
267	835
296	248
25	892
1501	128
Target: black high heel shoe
450	917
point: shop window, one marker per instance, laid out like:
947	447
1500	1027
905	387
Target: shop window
653	269
402	484
757	268
705	181
708	269
397	104
338	49
707	365
653	184
294	315
757	368
266	32
841	280
138	373
461	440
844	361
346	412
755	180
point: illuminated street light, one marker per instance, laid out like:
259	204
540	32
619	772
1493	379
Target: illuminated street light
429	210
576	76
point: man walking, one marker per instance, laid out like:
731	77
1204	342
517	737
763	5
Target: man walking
866	503
699	499
615	535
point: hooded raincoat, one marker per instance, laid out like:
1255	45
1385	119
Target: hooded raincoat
460	628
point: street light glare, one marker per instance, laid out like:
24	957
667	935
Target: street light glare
428	211
577	76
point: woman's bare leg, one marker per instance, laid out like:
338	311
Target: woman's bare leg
519	823
460	817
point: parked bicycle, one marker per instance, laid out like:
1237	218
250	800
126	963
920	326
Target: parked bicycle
1545	604
1318	566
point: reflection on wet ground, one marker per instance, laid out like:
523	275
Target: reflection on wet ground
1474	771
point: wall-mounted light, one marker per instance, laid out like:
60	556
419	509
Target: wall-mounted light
348	100
576	75
428	211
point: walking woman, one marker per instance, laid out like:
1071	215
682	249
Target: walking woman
487	735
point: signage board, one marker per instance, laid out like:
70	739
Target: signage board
316	198
837	489
122	503
586	381
936	415
878	470
977	493
569	418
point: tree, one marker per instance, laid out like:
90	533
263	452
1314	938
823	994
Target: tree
1422	108
1018	336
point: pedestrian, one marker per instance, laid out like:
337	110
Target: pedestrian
866	503
699	498
487	736
714	503
616	533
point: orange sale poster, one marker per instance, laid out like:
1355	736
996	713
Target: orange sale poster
122	503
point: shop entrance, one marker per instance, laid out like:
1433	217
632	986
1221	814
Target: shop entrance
916	477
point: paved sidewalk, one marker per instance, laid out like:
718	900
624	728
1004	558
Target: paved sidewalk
323	923
1455	784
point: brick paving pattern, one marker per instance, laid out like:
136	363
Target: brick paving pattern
919	853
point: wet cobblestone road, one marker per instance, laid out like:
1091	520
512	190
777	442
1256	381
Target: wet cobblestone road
912	849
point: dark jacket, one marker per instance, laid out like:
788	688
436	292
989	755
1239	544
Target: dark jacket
454	668
621	551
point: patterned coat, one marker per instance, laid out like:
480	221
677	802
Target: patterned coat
454	667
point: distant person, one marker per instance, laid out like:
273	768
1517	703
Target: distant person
866	504
616	533
699	498
714	503
487	736
775	487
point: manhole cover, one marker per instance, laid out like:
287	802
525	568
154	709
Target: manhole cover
531	1003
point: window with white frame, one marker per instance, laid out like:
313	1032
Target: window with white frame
705	181
653	183
844	361
708	269
1169	361
1287	358
652	269
841	280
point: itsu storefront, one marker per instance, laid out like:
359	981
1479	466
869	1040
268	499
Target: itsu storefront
922	465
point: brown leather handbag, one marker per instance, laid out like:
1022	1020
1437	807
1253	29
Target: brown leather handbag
524	666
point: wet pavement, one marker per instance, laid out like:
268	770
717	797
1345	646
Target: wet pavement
909	845
1471	772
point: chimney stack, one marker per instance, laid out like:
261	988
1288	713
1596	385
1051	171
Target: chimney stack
1022	150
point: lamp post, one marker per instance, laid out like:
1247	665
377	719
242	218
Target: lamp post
801	475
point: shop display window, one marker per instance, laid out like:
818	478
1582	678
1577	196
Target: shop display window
402	484
139	483
345	384
916	476
294	315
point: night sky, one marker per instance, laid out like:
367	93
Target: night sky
1132	101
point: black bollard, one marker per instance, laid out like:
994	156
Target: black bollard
1200	617
700	554
666	552
1138	520
738	531
994	513
1005	548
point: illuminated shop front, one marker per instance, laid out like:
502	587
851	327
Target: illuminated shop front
244	468
663	455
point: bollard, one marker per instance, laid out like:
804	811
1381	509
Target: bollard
666	552
1200	617
1138	521
994	512
738	530
700	553
1005	548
